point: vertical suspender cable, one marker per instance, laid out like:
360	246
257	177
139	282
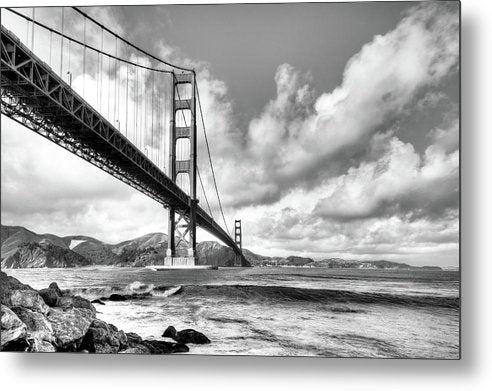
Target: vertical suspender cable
117	84
126	114
83	62
152	116
101	71
33	24
51	43
61	42
69	72
136	105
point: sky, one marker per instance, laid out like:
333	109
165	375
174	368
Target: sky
334	130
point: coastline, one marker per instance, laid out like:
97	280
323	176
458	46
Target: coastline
51	320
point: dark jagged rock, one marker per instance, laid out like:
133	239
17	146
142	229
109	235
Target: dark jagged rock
56	288
116	297
191	336
18	345
133	339
49	296
75	302
170	332
97	301
186	336
163	347
101	338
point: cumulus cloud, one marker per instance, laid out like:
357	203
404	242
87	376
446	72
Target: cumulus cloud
298	140
399	182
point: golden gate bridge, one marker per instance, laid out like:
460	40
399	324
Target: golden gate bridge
67	77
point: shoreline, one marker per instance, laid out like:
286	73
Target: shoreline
49	320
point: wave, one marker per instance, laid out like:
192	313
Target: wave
139	290
281	293
135	290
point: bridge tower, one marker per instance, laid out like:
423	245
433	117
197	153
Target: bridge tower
238	239
181	249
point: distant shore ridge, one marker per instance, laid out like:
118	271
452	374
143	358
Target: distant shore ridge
22	248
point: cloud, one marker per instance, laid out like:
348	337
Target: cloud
400	182
299	140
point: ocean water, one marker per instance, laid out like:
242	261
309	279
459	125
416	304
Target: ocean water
280	311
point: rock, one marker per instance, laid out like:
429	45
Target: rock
170	332
75	302
163	347
49	296
97	301
116	297
70	326
25	298
40	346
122	338
37	325
19	345
56	288
186	336
139	349
8	283
103	338
12	327
191	336
133	339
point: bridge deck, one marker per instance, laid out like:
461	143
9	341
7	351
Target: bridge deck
35	96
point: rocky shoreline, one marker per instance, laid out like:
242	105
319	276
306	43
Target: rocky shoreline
50	320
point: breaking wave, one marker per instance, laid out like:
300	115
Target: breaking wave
317	295
135	290
139	290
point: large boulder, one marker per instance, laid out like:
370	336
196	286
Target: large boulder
163	347
38	326
49	296
54	286
133	339
15	294
8	282
75	302
12	329
186	336
18	345
70	326
25	298
104	338
117	297
170	332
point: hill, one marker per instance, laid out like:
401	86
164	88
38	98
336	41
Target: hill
22	248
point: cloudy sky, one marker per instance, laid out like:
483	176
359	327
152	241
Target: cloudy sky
334	129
